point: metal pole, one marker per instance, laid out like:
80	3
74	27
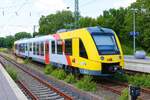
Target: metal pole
133	31
34	26
76	13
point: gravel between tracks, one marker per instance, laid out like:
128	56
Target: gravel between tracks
105	94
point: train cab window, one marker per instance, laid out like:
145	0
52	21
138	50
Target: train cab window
42	48
53	47
59	47
82	49
30	46
68	47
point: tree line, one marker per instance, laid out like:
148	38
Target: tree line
120	20
8	41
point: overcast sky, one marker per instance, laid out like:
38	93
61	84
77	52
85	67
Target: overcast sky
21	15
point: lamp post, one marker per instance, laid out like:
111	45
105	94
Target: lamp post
134	29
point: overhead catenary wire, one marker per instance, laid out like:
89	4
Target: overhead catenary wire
88	3
23	4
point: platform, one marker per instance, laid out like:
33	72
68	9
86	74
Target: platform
141	65
8	88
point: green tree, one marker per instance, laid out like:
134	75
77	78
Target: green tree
9	41
2	42
53	22
21	35
87	22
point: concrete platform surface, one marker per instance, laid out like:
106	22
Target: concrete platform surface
141	65
8	88
130	58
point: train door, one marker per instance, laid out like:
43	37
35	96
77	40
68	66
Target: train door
47	52
83	57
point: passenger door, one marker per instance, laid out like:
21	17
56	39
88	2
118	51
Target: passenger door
47	52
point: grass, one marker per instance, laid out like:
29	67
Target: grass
26	61
59	73
142	80
121	77
124	95
70	79
48	69
12	73
3	49
86	84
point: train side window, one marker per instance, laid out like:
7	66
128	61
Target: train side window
19	47
37	48
68	47
53	47
82	49
59	47
26	46
42	48
34	48
23	47
30	46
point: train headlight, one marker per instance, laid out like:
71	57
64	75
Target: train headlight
102	58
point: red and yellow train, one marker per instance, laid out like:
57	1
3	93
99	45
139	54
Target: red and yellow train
92	50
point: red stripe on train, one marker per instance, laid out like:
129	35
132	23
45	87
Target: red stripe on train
56	36
68	60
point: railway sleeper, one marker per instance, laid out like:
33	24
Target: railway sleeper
49	97
48	93
38	91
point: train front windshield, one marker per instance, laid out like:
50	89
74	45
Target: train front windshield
106	44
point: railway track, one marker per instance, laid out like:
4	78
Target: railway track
117	87
131	72
26	91
35	87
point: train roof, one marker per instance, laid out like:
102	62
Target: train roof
92	30
99	29
41	38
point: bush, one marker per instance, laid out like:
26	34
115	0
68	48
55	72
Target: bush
59	73
48	69
137	79
12	73
124	95
140	80
86	84
121	77
70	79
26	61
